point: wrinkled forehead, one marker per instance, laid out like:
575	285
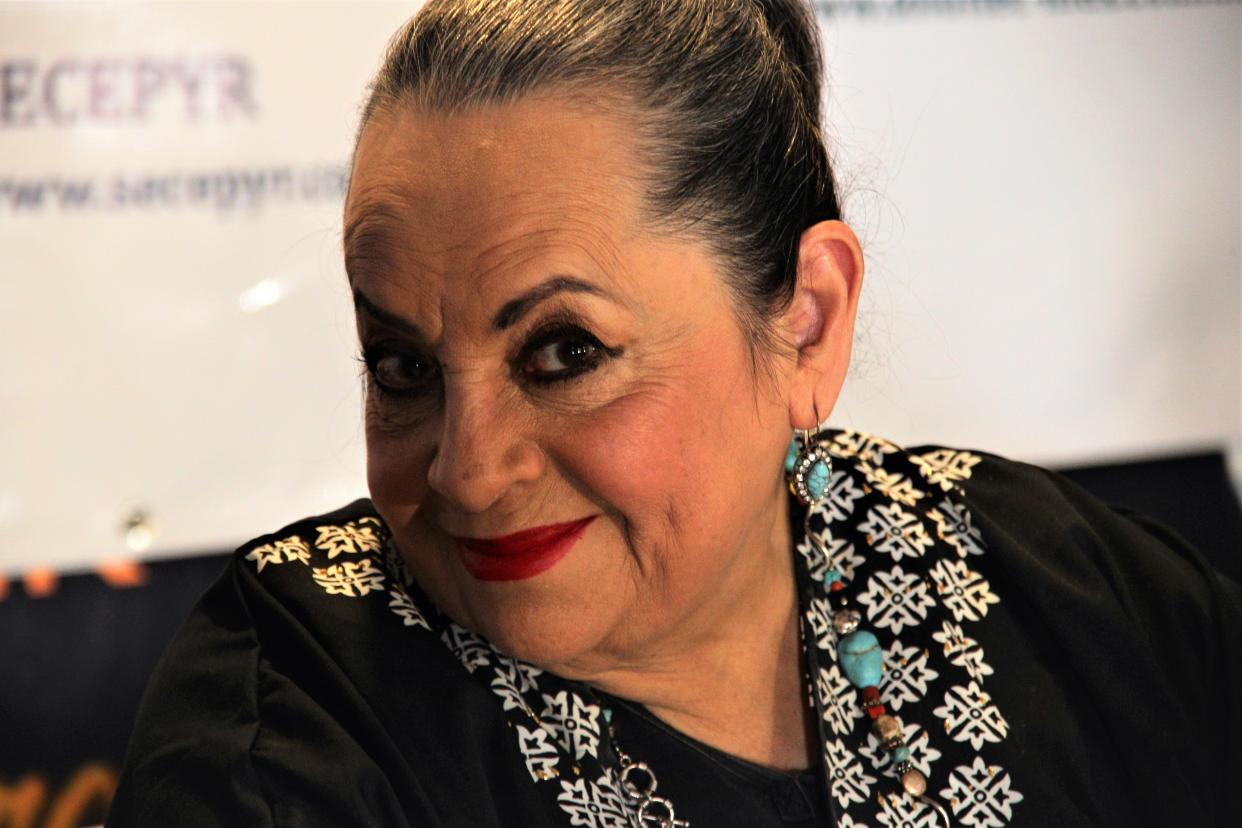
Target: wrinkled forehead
473	191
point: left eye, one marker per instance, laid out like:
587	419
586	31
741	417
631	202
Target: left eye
563	356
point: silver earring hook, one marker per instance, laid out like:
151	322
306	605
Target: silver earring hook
929	801
808	439
807	436
935	804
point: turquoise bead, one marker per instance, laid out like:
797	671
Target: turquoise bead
901	754
817	480
831	576
608	715
861	658
791	457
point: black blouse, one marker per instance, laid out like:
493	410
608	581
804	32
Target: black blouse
1052	661
727	790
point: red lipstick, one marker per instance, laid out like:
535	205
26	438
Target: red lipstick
522	554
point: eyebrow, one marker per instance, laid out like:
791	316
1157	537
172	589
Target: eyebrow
365	305
509	314
513	310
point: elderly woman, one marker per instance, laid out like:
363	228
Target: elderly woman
600	282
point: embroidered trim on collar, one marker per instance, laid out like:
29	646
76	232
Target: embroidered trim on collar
895	525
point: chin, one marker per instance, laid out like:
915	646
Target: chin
549	634
555	619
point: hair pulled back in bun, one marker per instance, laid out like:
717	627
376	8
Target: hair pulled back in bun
793	25
728	98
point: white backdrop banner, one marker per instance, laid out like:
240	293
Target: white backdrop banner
1048	193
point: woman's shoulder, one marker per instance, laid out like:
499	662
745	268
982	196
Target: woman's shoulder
1063	553
353	528
1116	617
1024	504
338	577
285	675
344	551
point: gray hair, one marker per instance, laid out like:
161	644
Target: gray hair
728	97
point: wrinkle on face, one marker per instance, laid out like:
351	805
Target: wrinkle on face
450	217
488	179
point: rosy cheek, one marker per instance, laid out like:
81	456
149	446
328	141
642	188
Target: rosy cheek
632	452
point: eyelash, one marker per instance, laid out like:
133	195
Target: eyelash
551	333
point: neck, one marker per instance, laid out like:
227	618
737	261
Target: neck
737	685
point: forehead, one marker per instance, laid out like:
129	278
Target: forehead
442	192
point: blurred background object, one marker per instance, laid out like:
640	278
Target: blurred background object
1049	194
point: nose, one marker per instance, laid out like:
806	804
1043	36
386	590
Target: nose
484	451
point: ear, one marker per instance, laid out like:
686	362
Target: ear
820	320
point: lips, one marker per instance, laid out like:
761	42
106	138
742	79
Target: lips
521	554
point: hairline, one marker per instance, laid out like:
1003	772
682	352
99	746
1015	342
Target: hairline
611	99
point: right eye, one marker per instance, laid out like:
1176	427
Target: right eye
395	373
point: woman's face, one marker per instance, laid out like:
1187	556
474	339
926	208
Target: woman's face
549	359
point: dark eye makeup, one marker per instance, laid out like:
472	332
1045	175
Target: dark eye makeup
557	351
396	372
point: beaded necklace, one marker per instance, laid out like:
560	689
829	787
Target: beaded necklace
808	470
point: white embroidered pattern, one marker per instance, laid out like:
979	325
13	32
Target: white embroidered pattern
819	617
891	530
955	525
896	600
970	716
966	592
980	795
906	812
350	578
842	494
894	486
512	680
963	651
849	779
353	538
539	748
839	700
401	605
844	559
575	723
285	550
469	647
944	467
866	447
595	804
906	675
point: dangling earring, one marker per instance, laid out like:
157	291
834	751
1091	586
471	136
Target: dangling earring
808	468
808	471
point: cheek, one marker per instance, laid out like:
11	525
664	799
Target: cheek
638	449
664	457
397	466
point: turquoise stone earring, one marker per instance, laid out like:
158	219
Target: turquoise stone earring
809	469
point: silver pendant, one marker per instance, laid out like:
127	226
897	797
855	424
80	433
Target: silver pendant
653	811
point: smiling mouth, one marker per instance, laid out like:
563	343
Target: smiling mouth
521	554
